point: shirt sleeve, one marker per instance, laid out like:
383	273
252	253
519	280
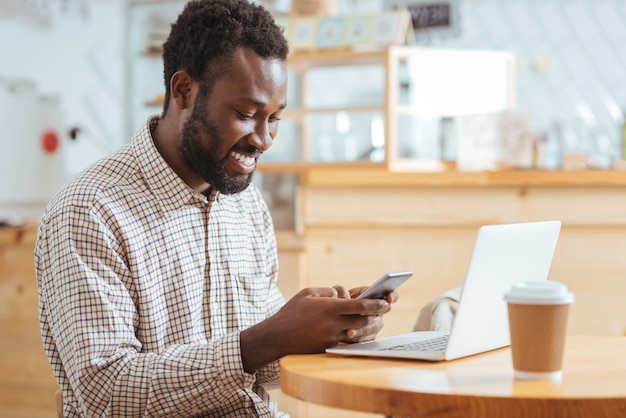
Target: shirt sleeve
269	376
92	323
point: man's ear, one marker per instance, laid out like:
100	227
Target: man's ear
181	88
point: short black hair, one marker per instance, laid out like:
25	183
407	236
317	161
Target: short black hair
207	32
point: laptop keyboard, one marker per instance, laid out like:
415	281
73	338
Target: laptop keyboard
434	344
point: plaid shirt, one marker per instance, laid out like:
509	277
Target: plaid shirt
144	287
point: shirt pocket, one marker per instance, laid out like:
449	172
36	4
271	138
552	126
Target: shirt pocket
252	290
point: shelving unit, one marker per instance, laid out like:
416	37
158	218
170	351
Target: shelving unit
371	106
144	66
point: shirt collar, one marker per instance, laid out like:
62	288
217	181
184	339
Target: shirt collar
168	188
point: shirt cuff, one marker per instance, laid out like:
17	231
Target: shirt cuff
228	353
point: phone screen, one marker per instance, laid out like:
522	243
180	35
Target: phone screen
386	284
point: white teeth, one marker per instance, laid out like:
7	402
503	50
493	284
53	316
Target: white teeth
242	158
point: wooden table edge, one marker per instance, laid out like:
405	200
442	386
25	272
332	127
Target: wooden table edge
428	404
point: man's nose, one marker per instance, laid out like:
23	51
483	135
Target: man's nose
263	136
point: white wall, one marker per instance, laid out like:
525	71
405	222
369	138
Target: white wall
573	66
77	56
572	72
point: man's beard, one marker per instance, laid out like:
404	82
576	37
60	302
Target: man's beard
202	158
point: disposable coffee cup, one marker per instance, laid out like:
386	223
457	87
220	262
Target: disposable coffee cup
538	312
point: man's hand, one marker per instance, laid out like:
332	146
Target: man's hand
391	297
369	333
313	320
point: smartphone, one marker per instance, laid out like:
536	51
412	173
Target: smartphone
386	284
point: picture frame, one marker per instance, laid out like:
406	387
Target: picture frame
357	30
330	32
391	27
303	33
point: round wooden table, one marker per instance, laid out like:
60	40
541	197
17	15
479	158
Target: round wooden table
593	384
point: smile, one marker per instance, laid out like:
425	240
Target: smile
243	159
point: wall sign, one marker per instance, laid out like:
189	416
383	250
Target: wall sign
432	18
430	15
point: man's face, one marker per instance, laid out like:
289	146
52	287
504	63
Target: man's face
234	121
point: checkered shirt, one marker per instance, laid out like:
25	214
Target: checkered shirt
144	287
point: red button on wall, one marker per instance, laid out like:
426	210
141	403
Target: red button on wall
50	141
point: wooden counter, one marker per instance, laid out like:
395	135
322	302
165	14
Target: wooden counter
353	225
371	174
26	382
368	176
357	222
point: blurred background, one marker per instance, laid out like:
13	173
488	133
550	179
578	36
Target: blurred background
81	63
79	77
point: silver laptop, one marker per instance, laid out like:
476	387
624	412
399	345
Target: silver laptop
502	254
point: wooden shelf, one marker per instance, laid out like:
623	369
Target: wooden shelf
381	177
154	103
376	174
301	113
387	96
305	59
152	52
304	168
23	234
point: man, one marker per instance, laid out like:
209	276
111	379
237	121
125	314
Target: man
157	266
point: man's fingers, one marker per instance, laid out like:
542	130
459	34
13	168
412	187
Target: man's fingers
342	292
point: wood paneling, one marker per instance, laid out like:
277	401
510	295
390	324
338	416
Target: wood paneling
354	234
359	223
26	382
356	225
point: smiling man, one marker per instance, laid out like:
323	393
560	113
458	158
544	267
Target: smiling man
227	125
157	266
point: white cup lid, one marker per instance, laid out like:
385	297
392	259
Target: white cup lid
540	292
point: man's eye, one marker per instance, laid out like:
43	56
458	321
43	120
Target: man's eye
274	118
244	116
